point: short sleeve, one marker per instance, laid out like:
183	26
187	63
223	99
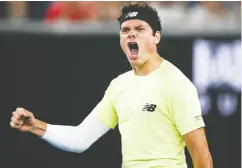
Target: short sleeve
185	108
105	110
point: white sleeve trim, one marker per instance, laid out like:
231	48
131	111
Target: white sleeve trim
76	138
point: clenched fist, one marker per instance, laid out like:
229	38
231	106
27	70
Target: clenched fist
22	120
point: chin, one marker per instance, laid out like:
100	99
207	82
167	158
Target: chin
135	61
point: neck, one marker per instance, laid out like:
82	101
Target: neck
147	67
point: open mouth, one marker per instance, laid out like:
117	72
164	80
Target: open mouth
133	47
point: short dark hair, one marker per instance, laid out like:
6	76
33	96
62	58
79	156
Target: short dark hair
147	10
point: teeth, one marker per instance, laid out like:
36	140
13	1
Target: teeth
132	43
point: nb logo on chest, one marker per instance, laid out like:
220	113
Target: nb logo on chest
149	107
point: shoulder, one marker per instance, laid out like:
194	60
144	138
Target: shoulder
177	81
118	82
122	78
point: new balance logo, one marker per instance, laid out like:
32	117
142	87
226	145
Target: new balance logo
149	107
131	14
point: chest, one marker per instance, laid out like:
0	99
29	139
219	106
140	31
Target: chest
142	100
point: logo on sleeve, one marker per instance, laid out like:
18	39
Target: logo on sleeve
149	107
199	117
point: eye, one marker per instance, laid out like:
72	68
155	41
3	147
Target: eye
124	30
141	29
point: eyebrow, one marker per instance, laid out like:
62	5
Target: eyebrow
139	26
125	28
128	27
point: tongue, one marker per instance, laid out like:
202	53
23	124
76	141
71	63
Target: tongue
134	51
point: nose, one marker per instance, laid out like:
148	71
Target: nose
131	34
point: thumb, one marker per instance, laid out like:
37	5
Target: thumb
26	113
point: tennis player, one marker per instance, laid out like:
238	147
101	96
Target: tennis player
155	105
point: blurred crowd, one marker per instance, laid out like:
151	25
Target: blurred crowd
213	14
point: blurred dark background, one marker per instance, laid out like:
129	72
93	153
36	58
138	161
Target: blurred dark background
60	70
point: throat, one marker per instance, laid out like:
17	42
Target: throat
148	67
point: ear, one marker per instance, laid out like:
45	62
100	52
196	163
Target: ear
157	37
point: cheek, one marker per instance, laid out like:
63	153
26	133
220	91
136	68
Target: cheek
122	41
147	41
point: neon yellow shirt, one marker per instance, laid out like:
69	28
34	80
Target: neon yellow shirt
153	113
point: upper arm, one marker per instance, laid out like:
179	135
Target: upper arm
106	113
185	108
196	141
105	110
186	114
197	145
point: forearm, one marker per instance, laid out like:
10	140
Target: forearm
39	128
65	138
202	160
75	138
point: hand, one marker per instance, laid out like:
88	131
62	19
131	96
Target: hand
22	120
